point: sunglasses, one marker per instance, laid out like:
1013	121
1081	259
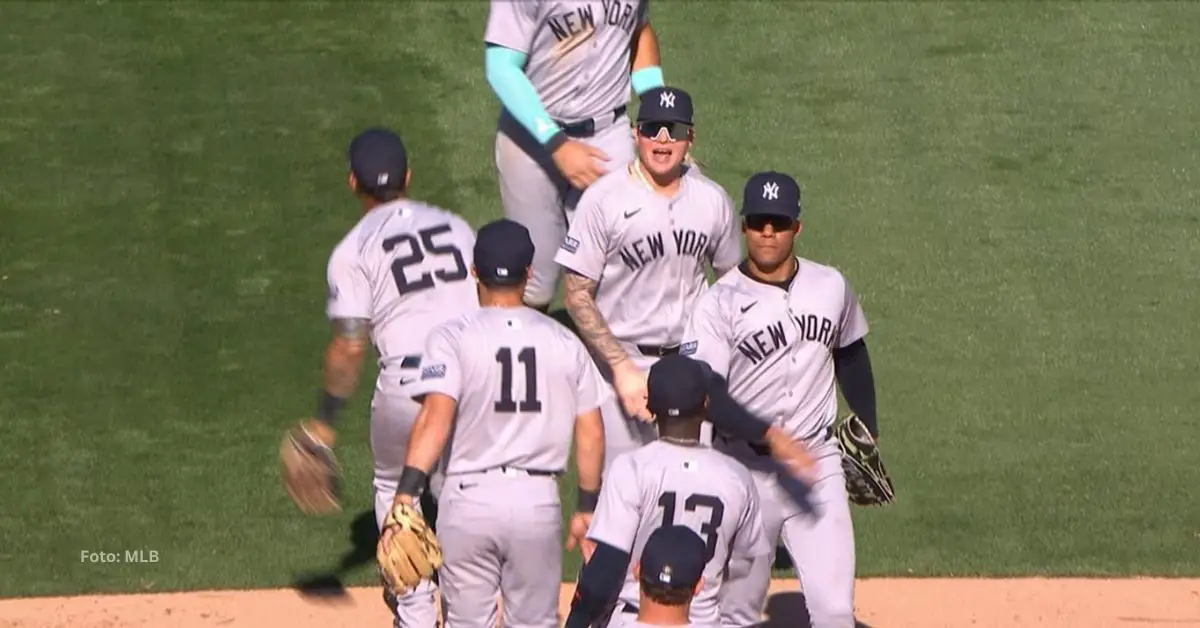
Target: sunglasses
759	222
676	131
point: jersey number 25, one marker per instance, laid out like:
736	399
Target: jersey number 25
419	246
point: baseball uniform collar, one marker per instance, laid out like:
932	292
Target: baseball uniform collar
785	285
636	173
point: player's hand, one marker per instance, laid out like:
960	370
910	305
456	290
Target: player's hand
630	383
577	533
579	163
792	454
385	536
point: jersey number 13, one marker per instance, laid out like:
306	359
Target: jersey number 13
709	529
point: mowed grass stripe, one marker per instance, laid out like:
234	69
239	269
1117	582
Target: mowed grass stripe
1011	189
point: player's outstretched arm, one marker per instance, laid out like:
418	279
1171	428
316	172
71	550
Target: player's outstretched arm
579	296
589	463
430	432
852	368
646	62
599	585
341	368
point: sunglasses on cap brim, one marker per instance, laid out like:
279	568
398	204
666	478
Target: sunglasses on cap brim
759	222
675	131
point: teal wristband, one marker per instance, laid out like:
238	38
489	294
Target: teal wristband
646	79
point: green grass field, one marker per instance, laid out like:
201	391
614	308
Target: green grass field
1011	187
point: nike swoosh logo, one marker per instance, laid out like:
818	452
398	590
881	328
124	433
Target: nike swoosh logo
404	381
633	213
747	308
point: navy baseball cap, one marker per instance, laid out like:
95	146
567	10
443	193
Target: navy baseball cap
676	386
674	557
503	253
771	194
378	160
665	104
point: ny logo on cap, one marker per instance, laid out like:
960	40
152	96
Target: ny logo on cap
381	179
770	190
666	99
664	576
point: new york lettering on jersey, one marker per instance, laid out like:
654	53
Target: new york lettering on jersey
578	51
770	342
503	365
667	484
405	267
650	252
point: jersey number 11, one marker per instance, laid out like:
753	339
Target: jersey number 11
528	358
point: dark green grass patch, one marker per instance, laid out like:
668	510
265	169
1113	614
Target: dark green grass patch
1010	188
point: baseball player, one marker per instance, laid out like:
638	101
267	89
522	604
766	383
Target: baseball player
636	255
670	574
562	69
503	390
400	272
675	480
782	329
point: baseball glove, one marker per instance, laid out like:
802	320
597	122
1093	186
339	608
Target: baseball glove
310	472
867	480
411	554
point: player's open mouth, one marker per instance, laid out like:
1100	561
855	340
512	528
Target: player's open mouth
661	156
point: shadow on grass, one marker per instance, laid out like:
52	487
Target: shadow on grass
788	610
364	536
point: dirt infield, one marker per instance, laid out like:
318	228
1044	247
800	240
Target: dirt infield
882	603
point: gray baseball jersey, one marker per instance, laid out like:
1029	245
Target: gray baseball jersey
520	378
404	267
663	483
775	346
648	253
687	625
386	270
578	50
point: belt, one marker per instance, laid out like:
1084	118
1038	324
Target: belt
507	470
587	128
658	351
761	449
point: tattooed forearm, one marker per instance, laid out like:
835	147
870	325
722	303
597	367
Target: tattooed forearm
579	297
344	356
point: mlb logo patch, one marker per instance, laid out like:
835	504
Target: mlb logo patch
688	348
433	371
570	245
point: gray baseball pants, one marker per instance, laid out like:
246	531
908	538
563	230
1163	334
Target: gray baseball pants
392	418
818	534
501	534
535	194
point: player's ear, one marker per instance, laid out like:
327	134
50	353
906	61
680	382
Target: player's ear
798	227
699	585
352	181
637	571
407	177
529	273
474	273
